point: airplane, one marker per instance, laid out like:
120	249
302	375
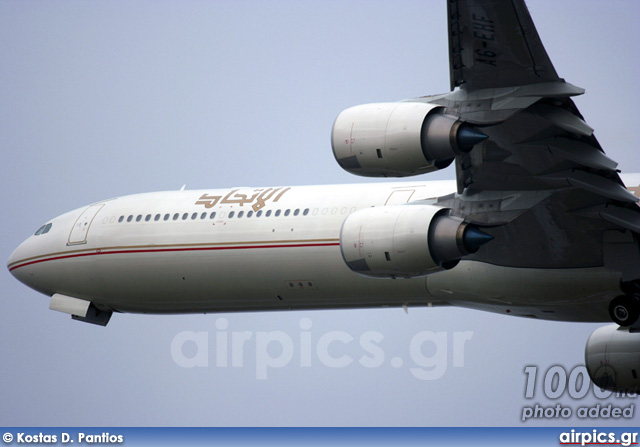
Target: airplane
538	222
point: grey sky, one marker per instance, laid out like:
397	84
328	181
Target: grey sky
102	99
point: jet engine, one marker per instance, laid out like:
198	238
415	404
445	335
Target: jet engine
612	357
406	240
399	139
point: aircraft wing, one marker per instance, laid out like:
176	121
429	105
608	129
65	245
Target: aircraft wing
495	44
540	182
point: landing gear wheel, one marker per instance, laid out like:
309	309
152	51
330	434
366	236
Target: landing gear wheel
624	310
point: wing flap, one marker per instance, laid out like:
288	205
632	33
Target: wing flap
578	152
563	119
593	183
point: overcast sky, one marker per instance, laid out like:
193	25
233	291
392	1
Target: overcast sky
101	99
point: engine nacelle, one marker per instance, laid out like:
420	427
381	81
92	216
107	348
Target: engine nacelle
612	357
406	240
399	139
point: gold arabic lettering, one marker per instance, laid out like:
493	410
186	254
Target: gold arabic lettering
257	200
208	201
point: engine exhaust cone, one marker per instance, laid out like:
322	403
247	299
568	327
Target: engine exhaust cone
473	238
467	137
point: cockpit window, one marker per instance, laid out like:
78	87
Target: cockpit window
43	229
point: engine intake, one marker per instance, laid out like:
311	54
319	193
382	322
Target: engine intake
406	240
612	357
399	139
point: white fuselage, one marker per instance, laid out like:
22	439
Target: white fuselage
270	249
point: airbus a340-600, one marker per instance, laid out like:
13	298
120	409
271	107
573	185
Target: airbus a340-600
538	222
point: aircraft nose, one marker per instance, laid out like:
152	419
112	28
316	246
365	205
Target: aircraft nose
26	260
14	258
18	259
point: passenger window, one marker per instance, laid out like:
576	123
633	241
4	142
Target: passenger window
305	212
259	213
130	218
296	212
166	216
139	218
212	215
121	219
184	216
148	218
231	213
277	213
175	216
157	218
240	214
203	215
286	213
249	213
268	213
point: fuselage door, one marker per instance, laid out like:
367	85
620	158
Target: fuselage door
80	229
